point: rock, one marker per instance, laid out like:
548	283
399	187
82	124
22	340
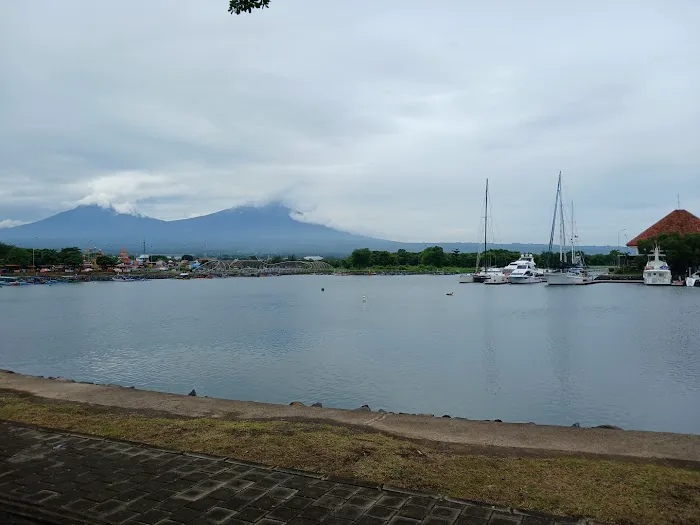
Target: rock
296	404
132	387
610	427
317	405
447	416
576	425
382	411
365	408
497	421
192	393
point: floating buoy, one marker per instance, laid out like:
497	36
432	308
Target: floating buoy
364	299
323	289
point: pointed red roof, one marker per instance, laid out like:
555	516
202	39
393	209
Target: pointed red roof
678	221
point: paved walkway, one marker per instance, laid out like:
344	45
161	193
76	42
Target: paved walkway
102	481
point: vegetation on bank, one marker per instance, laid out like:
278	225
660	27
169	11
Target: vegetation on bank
611	491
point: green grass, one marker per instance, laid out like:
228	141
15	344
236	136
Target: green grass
610	491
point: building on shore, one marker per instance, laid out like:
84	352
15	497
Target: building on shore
678	221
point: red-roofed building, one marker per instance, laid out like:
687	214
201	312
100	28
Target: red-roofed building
678	221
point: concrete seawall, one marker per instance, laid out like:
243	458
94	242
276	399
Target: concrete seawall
527	438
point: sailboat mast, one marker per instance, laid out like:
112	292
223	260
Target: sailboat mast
486	214
573	234
554	222
562	226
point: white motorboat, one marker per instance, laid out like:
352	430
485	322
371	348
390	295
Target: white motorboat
693	280
657	271
466	278
495	276
525	274
525	258
523	271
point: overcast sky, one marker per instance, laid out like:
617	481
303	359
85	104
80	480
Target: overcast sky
381	118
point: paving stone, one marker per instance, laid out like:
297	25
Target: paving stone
403	520
435	520
204	503
283	513
266	503
471	520
504	519
108	507
234	503
479	512
333	520
250	514
534	520
269	521
370	520
362	502
121	516
218	515
185	515
315	512
80	505
153	516
379	511
349	512
282	493
298	502
441	511
413	511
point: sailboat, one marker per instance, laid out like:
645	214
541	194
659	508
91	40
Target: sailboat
572	272
484	275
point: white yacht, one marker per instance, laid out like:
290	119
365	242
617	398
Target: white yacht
525	258
466	278
495	276
525	271
657	272
693	280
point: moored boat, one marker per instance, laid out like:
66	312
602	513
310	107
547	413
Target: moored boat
657	272
693	280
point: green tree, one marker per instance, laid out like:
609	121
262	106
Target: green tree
454	257
246	6
72	257
187	257
276	259
106	261
383	258
361	258
19	256
433	256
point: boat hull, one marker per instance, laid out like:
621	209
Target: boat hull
692	281
524	279
466	279
563	279
657	278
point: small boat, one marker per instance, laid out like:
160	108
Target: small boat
657	272
693	280
466	278
450	293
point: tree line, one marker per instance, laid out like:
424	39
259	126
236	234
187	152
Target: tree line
23	257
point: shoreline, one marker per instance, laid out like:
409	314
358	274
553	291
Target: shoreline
498	437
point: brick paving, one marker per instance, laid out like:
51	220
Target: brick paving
122	483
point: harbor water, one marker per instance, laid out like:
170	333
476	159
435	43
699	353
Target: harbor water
618	354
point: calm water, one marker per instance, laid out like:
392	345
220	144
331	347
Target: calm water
627	355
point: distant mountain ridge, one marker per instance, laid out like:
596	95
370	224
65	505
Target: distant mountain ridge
246	230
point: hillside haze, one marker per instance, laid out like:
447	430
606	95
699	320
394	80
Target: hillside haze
267	229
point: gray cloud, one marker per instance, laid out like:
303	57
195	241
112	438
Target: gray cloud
378	118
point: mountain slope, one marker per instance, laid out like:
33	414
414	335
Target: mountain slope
245	230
